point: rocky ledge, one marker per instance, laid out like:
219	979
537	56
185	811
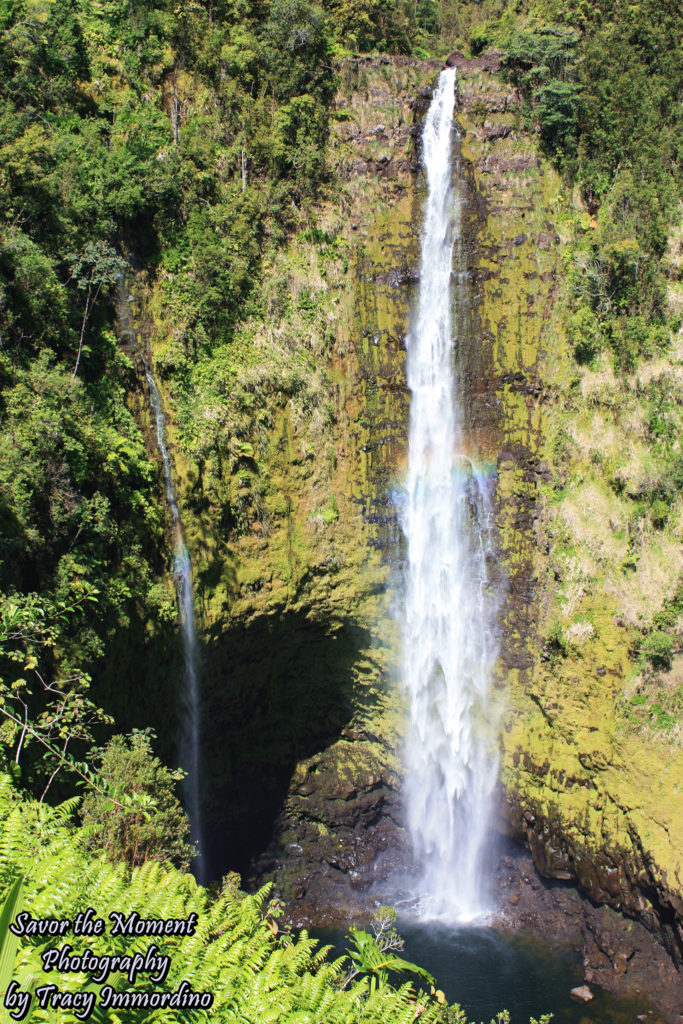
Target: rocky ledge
617	954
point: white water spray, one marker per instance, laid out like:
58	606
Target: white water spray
190	734
449	645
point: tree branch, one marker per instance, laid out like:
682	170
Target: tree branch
64	759
85	319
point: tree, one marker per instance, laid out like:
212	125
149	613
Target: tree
658	648
132	773
55	714
374	953
98	266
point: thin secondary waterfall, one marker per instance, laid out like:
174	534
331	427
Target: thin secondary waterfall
190	736
190	733
449	643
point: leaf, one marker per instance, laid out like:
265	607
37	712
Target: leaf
8	940
397	963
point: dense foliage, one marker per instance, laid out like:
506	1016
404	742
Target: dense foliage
126	834
603	86
192	143
254	971
185	141
129	133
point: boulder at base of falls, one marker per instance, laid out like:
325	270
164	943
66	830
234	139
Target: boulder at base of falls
582	994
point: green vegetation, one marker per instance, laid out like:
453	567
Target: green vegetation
180	152
178	140
41	718
602	84
373	954
193	143
126	833
254	971
602	87
658	648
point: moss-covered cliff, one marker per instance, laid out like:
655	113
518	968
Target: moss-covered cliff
292	590
303	723
229	189
595	790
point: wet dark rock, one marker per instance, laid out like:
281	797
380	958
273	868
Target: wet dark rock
502	165
489	61
613	876
491	132
618	955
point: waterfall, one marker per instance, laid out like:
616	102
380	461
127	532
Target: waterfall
189	753
190	735
449	645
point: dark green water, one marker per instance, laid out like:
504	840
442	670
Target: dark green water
486	971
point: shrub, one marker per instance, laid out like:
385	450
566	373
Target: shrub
585	335
556	643
659	513
129	767
480	38
658	649
331	513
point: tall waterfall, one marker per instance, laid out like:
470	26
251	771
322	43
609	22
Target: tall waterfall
449	645
190	734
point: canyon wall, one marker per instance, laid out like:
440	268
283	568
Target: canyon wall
303	719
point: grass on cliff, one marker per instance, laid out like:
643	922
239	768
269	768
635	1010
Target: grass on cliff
614	516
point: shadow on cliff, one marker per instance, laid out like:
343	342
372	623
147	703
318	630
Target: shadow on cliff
276	691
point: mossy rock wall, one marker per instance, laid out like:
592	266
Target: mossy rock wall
597	802
295	611
303	721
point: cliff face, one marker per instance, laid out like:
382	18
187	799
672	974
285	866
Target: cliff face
597	800
298	638
303	720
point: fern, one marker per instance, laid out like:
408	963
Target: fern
255	976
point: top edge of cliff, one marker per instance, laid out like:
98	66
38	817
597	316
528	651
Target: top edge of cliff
491	61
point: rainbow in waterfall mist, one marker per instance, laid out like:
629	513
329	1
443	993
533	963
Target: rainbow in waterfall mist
449	644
